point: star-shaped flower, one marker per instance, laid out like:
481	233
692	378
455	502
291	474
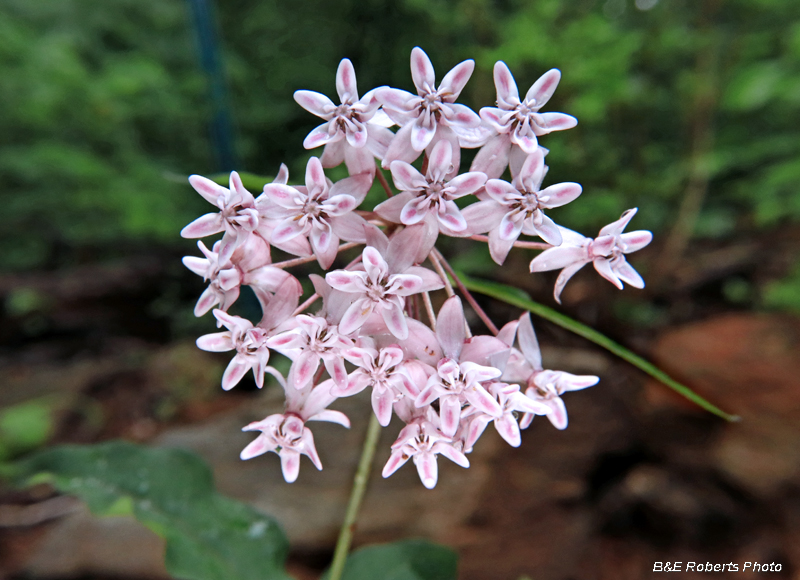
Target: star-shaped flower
518	122
606	252
355	131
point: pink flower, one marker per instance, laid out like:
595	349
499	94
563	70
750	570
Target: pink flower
431	197
320	212
287	435
458	377
517	122
249	265
422	442
430	115
606	252
518	207
237	215
545	387
382	287
383	371
352	133
512	402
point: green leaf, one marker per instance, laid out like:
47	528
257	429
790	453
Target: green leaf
512	296
406	560
171	491
25	426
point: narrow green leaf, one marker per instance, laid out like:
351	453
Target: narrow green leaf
209	536
511	295
406	560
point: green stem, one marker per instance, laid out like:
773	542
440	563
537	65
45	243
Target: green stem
356	496
515	297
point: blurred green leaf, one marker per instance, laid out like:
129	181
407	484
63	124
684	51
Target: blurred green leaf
25	427
406	560
209	536
784	294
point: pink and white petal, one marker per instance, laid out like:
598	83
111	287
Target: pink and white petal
260	445
521	403
216	342
382	400
304	367
396	100
528	343
544	87
516	158
451	453
287	230
570	382
315	175
283	175
526	420
477	426
310	449
395	320
554	122
333	154
210	191
315	103
533	170
208	299
359	159
450	216
492	159
374	264
451	327
510	226
357	138
501	191
508	429
627	274
415	211
507	92
406	177
559	194
564	277
347	281
356	186
340	204
325	255
391	209
606	270
321	135
356	315
558	416
206	225
560	257
290	464
467	183
234	372
356	382
336	369
404	284
427	395
615	228
400	149
440	160
473	137
548	230
498	247
450	414
283	195
422	131
331	416
422	71
346	82
460	116
430	279
480	398
454	81
632	241
483	216
379	139
404	247
421	343
396	460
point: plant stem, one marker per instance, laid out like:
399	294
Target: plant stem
356	495
518	298
382	178
517	244
468	295
307	259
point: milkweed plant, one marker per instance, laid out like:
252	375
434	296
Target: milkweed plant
445	383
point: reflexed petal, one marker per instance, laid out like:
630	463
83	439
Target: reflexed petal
615	228
467	183
290	464
208	189
492	158
374	264
548	230
287	230
630	242
422	131
336	369
461	116
396	460
544	87
483	216
382	405
321	136
569	382
310	449
404	284
564	277
356	186
404	247
359	160
207	300
498	247
430	279
315	103
395	98
346	82
395	320
315	175
454	81
415	211
504	83
391	208
528	343
557	258
234	372
508	429
262	444
216	342
510	227
331	416
451	217
333	154
422	70
207	225
450	327
347	281
483	401
406	177
304	368
427	469
440	161
451	453
400	149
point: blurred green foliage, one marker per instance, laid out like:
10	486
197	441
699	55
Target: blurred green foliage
25	426
106	109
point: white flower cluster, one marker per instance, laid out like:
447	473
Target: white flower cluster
377	328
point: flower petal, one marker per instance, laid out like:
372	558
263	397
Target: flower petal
541	91
346	82
422	71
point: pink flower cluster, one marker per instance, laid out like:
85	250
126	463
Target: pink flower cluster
377	328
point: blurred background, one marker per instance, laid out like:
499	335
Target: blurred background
687	109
